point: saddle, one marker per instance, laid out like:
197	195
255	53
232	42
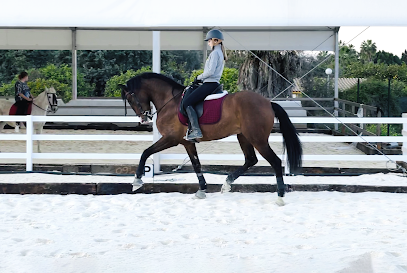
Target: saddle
209	111
199	109
13	109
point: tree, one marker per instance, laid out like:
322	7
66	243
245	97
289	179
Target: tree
112	85
13	62
368	51
386	58
404	57
256	75
59	77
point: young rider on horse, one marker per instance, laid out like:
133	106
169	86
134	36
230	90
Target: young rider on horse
210	78
22	94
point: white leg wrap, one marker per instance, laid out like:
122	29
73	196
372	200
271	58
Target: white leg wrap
280	201
200	194
137	183
225	187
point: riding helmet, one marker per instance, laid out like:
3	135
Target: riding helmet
214	34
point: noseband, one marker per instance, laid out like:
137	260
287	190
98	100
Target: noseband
54	103
147	113
51	105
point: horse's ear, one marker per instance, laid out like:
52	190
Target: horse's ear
123	87
124	90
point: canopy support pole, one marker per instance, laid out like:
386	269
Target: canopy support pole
74	66
204	45
336	95
156	69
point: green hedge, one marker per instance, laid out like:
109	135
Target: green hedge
112	89
59	77
229	79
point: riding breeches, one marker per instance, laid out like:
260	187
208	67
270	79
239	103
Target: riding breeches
200	94
22	107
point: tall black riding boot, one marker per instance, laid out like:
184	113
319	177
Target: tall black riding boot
195	131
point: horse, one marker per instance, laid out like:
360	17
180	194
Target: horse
44	103
246	114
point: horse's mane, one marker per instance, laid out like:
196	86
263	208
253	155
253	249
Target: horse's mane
135	82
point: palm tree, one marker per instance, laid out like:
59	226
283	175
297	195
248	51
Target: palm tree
367	51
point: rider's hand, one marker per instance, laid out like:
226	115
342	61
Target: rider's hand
196	81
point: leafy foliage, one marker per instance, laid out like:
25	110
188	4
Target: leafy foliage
229	79
367	51
374	92
112	85
59	77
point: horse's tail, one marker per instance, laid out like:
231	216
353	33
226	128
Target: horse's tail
290	136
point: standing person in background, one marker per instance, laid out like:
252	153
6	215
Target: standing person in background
210	77
22	94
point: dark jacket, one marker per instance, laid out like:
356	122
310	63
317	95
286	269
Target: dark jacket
21	87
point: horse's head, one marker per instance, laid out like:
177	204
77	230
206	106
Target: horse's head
52	99
139	102
149	87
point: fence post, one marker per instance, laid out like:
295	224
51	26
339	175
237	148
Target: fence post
29	143
286	165
361	114
379	130
404	133
343	115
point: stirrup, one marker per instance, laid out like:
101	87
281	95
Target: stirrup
193	136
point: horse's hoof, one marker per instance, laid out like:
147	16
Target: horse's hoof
200	194
137	183
17	129
226	187
280	201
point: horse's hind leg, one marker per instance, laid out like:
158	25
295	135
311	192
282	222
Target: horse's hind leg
250	161
268	154
38	131
193	156
2	124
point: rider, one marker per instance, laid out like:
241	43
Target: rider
22	94
210	78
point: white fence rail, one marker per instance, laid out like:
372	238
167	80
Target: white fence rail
29	137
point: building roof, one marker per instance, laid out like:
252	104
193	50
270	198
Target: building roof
343	84
347	83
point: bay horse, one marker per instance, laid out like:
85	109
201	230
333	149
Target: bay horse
246	114
44	103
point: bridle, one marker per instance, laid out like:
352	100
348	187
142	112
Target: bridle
53	106
147	113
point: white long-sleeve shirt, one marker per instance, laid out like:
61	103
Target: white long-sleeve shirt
213	66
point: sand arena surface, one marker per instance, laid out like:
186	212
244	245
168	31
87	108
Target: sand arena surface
171	232
214	147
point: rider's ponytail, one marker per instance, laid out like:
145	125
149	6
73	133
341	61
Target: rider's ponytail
225	57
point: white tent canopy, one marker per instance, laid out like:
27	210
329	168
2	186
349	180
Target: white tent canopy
321	38
127	24
187	13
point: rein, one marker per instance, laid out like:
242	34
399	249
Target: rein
148	112
49	104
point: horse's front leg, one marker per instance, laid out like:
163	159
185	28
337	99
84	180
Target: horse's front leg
193	156
38	130
162	144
